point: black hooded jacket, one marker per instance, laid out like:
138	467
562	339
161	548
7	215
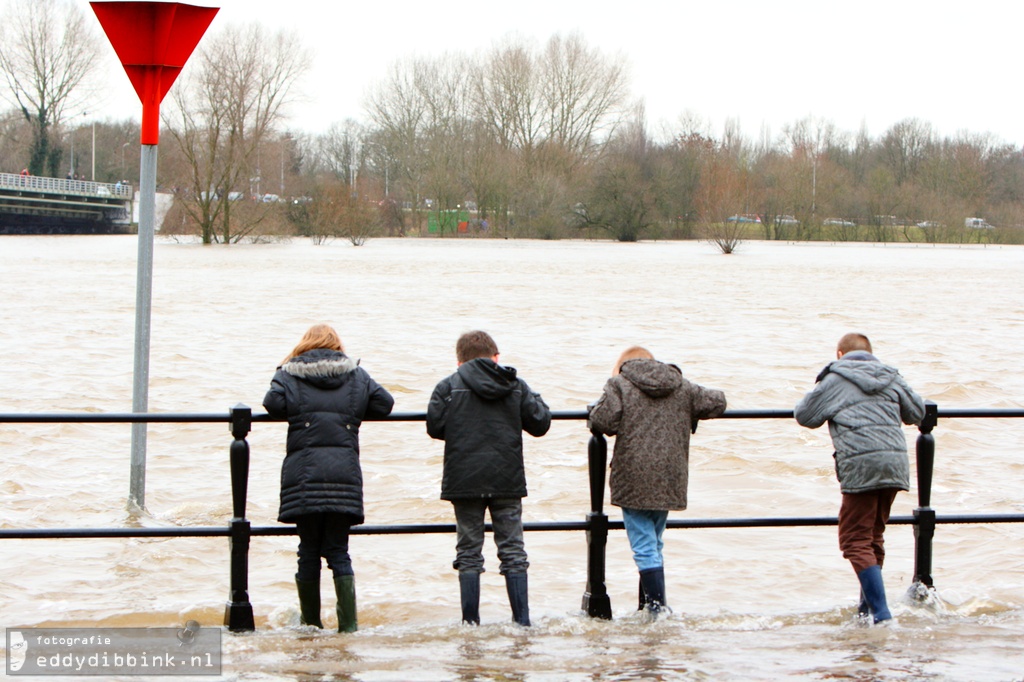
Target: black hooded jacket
480	412
325	396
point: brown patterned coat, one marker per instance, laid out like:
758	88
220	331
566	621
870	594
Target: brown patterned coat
649	407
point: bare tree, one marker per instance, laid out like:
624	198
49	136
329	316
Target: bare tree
722	189
622	195
809	140
228	107
904	147
507	96
582	93
423	115
334	211
49	50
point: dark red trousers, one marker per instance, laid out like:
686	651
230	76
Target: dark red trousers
862	519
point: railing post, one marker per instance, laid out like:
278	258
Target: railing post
238	616
596	602
924	515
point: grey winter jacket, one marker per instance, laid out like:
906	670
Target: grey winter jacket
651	409
480	412
864	402
325	395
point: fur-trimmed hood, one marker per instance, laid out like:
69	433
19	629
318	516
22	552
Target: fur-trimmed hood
321	367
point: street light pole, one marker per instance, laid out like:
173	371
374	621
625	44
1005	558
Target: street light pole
94	151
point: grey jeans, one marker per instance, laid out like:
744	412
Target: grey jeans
507	521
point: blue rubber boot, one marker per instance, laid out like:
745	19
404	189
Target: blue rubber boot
874	592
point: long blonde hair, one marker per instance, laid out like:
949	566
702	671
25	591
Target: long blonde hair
317	336
631	353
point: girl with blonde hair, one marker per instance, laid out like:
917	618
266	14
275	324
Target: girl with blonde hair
325	396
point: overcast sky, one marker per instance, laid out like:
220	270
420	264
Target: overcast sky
762	62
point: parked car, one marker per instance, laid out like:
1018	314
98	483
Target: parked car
930	223
977	224
839	221
745	218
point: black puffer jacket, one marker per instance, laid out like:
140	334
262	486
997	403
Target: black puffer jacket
480	412
325	395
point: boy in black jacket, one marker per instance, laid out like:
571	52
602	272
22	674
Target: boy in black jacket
480	412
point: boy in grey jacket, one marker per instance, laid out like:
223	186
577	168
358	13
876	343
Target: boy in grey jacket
864	403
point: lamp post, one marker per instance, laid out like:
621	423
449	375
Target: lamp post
384	149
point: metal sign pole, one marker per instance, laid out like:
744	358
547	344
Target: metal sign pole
153	40
143	317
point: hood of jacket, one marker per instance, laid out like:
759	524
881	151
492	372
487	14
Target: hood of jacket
865	371
654	378
488	379
321	367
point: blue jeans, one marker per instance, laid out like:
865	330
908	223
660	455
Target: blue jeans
644	528
323	535
507	521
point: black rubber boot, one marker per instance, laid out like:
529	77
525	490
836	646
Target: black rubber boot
309	601
518	597
641	600
345	588
653	582
469	588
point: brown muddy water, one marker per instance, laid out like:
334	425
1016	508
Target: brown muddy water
753	604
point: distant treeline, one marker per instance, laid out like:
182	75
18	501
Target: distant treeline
526	142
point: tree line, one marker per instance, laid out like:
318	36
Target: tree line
519	141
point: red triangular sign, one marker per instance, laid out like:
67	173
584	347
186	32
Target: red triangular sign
153	40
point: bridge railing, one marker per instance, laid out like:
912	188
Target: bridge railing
238	614
63	186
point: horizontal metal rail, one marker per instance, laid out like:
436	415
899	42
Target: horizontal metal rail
440	528
556	415
238	611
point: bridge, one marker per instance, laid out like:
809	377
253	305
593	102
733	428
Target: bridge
32	204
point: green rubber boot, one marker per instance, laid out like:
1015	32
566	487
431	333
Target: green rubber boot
345	587
309	601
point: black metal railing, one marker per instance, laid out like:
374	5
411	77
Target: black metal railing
238	615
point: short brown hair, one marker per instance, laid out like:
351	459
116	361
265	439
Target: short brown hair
631	353
475	344
853	341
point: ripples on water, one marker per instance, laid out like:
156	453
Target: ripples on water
750	604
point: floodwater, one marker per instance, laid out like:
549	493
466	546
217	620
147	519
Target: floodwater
748	604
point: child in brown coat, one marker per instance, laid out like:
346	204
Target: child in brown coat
652	410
